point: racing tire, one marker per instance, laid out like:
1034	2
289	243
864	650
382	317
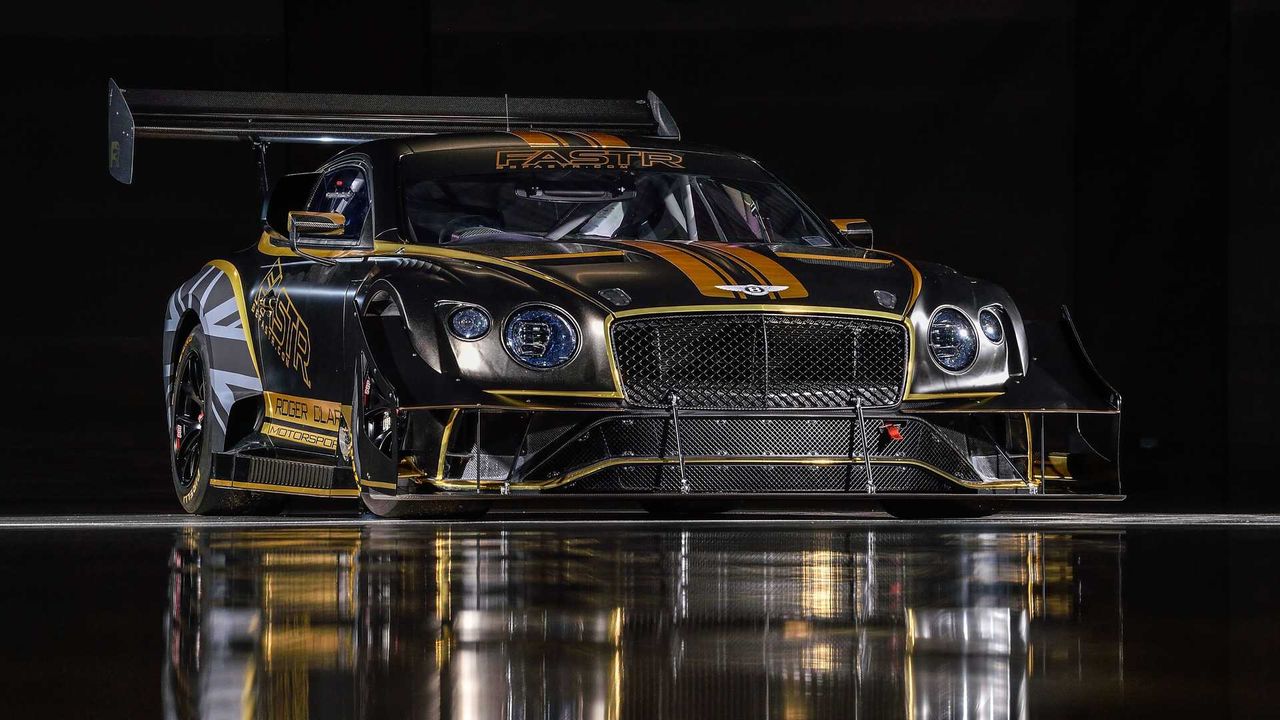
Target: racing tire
192	440
937	509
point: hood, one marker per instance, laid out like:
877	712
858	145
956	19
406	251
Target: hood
654	274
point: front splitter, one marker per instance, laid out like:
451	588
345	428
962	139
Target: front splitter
470	503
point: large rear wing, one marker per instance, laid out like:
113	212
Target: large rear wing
269	117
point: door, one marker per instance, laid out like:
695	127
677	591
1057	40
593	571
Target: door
298	308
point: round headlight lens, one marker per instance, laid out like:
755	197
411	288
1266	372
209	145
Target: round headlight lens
469	323
991	326
540	337
953	342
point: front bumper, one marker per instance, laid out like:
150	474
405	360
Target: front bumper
500	451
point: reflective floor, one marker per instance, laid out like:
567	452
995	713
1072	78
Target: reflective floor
581	620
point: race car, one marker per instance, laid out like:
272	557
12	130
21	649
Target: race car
509	301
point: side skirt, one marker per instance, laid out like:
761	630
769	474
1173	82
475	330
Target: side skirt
291	477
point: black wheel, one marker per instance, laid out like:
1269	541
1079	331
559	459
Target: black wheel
937	509
194	434
684	509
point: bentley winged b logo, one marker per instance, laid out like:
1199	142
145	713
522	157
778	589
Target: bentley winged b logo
573	301
754	290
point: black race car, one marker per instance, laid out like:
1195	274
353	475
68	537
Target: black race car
493	300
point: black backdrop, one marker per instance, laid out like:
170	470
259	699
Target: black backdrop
1119	157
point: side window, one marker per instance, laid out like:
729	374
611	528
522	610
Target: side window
344	190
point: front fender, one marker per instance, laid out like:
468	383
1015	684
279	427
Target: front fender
401	312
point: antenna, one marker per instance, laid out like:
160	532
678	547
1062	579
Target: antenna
506	107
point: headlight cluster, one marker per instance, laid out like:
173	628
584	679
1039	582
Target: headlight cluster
991	325
469	322
953	338
537	336
540	337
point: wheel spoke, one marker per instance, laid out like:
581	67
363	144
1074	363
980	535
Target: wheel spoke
188	418
189	442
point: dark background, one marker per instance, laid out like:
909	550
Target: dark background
1119	157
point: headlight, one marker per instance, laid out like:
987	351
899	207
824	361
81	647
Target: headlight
469	322
540	337
953	342
991	326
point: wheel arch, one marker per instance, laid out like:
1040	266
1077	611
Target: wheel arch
214	300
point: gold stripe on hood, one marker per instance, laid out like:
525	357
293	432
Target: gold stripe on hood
774	274
701	273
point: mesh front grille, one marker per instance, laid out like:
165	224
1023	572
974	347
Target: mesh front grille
757	361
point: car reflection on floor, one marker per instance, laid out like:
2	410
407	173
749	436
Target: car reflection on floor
640	623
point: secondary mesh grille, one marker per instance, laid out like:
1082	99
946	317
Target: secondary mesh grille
781	478
773	437
757	361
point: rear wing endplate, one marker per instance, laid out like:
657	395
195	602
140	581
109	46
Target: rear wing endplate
269	117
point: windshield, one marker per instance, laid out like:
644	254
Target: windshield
607	204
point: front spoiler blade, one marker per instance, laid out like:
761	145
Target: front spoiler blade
429	503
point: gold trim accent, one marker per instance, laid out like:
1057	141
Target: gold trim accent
444	441
375	483
950	395
237	288
834	258
512	406
1056	468
916	280
758	307
563	256
606	394
267	487
1026	417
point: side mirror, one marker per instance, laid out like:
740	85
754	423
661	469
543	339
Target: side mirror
304	223
317	230
856	230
